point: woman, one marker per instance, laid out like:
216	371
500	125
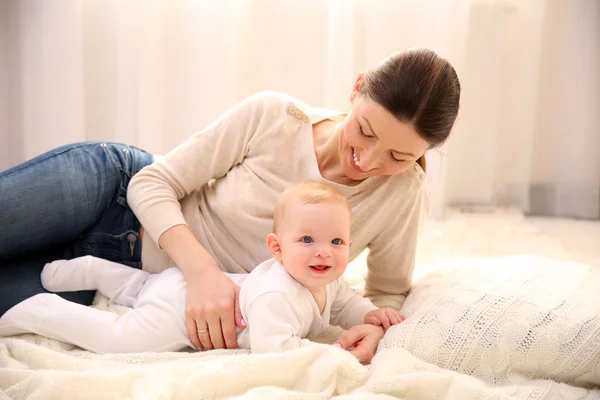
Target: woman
207	205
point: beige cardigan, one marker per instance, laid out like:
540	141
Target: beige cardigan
223	183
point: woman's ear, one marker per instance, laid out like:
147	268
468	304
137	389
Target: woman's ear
274	246
357	85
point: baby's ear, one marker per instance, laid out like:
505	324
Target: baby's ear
274	246
350	243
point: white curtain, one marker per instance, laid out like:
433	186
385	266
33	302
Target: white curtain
152	72
529	129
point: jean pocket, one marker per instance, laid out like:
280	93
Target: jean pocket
113	247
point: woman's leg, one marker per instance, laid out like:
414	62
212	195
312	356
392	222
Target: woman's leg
49	200
66	203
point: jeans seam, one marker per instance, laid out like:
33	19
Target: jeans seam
115	163
25	165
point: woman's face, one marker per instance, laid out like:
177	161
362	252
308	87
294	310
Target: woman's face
374	143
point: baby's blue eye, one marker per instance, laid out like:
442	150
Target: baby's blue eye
307	239
337	241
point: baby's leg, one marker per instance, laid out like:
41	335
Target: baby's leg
120	283
148	328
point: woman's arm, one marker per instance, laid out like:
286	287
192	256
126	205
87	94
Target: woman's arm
154	195
391	257
154	192
211	298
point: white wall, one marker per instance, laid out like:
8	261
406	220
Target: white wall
5	148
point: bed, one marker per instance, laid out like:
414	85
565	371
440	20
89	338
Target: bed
497	311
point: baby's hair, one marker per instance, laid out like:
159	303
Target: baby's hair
308	193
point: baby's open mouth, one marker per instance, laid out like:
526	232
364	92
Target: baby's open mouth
320	268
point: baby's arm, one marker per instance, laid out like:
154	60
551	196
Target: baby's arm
349	308
275	323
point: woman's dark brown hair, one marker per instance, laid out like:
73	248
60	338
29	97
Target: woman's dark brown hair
418	87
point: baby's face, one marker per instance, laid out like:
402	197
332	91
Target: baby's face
315	242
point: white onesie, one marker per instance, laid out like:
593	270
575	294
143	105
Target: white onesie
280	312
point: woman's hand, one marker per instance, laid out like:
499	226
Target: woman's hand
364	338
212	310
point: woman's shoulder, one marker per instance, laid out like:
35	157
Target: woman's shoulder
273	106
404	190
286	105
413	180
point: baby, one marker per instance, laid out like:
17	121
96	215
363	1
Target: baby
296	294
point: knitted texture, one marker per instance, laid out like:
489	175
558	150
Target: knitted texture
35	367
506	320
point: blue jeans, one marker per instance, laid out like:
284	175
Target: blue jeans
66	203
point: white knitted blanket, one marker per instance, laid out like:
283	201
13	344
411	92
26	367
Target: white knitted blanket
458	338
507	321
33	368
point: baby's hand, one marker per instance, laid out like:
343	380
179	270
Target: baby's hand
384	317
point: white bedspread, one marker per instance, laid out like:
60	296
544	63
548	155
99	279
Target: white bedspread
32	367
36	368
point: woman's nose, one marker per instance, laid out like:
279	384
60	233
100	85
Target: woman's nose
368	160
